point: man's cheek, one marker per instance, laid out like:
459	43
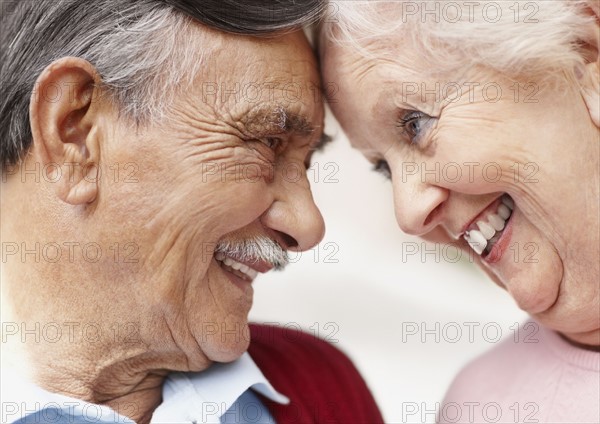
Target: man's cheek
227	205
245	201
243	168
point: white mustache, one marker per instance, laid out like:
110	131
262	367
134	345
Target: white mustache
254	250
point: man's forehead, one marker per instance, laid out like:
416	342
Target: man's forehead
267	85
260	77
277	49
264	68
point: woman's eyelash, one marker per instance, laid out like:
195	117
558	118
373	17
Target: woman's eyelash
408	117
410	123
382	167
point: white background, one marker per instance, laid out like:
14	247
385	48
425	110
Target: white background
364	290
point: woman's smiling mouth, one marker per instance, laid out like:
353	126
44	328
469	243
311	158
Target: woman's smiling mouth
487	228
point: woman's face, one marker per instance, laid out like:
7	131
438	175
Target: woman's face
506	169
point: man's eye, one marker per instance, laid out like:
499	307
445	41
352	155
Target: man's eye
383	168
413	123
271	142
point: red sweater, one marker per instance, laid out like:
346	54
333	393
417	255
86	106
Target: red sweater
322	383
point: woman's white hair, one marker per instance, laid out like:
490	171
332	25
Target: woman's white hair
519	38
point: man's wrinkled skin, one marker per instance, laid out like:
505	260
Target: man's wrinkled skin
219	166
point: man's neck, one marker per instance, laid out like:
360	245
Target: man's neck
139	404
131	392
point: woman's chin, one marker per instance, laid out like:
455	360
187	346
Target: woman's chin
535	302
529	267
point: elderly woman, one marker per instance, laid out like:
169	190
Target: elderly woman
485	115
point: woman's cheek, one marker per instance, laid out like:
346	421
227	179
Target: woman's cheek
470	168
465	176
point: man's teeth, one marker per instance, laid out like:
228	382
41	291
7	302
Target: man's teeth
485	234
237	266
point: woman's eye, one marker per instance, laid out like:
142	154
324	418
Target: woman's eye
383	168
271	142
413	123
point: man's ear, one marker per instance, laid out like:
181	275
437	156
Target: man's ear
65	140
590	80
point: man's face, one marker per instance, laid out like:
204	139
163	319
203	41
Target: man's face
227	165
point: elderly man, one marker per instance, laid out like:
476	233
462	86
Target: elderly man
154	157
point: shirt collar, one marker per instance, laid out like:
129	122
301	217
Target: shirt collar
20	398
201	397
205	396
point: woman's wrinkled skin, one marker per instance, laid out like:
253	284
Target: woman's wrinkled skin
458	153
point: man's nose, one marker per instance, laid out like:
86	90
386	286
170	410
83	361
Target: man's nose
294	214
418	204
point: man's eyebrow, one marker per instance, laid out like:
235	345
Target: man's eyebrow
277	120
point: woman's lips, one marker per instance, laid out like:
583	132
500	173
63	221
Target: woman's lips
488	229
501	245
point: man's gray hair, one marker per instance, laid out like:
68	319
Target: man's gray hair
141	48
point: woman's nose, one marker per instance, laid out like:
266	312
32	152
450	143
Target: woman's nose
418	204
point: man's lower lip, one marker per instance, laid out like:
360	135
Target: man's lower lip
502	244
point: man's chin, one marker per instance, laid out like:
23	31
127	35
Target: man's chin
227	343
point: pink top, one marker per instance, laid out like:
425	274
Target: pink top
538	378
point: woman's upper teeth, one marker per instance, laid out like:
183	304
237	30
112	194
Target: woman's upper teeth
508	201
504	211
476	240
496	222
486	228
